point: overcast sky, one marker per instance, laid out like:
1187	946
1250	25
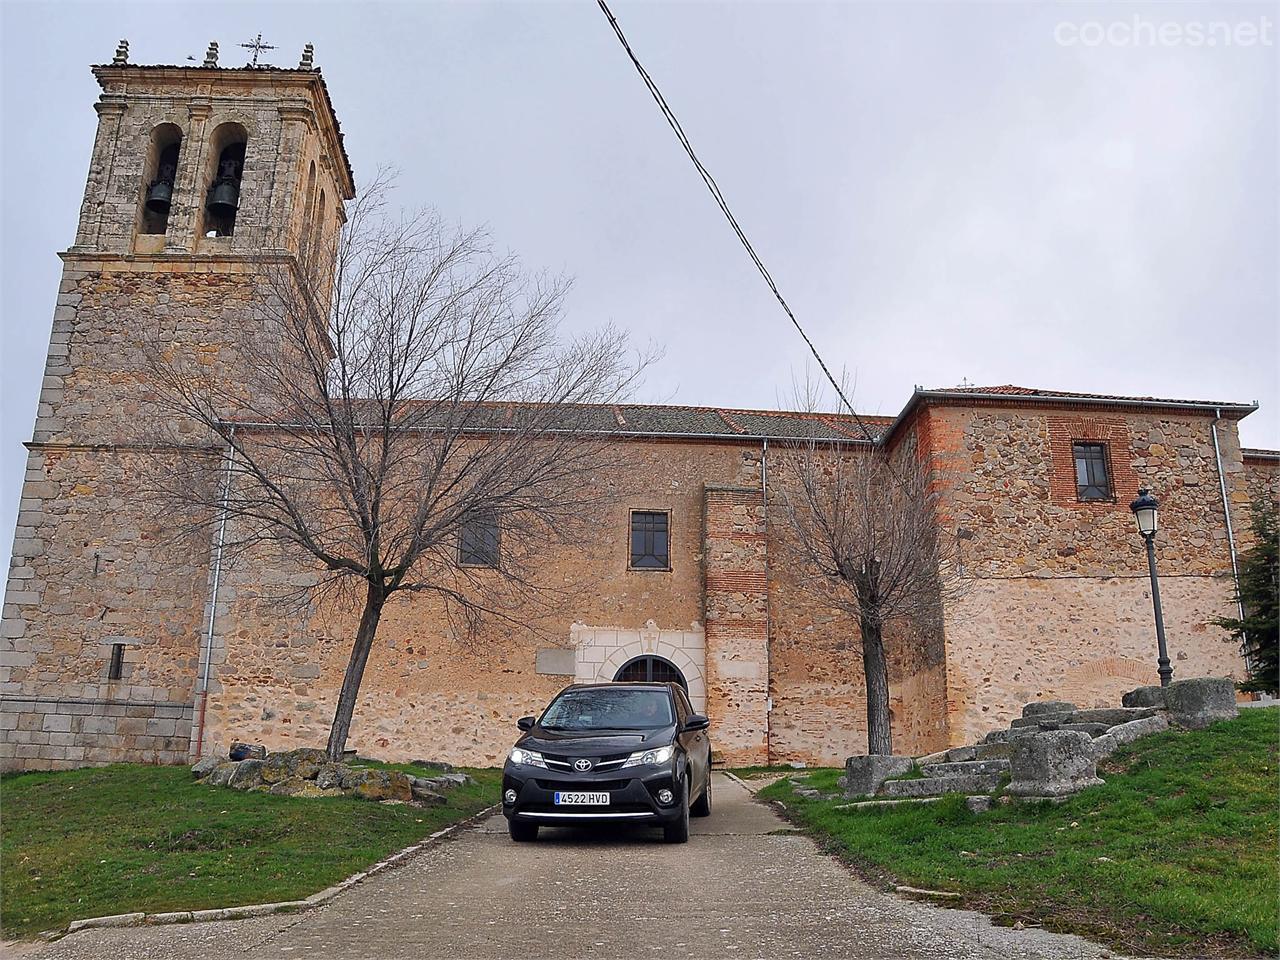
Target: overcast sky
996	192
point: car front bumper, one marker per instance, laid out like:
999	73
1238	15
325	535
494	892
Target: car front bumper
633	796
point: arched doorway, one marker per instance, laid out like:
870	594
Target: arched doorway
650	670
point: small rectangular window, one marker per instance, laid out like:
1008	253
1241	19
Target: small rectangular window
650	547
478	540
1093	480
116	668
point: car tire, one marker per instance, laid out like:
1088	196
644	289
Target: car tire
702	806
522	832
678	832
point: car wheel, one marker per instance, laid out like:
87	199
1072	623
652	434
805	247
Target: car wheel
522	832
678	832
702	806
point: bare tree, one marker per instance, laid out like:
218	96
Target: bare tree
409	403
864	525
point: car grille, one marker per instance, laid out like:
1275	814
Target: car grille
591	785
611	761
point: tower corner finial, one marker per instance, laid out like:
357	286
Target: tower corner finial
211	55
122	54
308	58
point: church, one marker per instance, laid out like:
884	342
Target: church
113	650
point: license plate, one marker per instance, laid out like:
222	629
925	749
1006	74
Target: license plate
579	798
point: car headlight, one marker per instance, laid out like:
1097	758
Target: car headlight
660	755
528	758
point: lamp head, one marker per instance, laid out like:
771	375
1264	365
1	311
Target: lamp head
1146	512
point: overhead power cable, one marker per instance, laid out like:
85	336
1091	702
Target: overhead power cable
723	204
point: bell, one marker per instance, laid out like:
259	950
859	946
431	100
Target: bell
159	197
224	197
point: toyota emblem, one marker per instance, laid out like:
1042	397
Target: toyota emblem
582	765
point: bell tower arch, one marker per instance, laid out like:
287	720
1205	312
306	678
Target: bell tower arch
198	175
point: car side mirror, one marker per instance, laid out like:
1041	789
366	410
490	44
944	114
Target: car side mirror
696	721
526	723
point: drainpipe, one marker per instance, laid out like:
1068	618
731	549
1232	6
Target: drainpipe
1226	510
768	626
207	653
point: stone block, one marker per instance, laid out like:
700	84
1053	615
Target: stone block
865	773
1054	763
1124	733
303	764
934	786
1201	702
221	774
1092	729
248	773
1042	707
1112	715
964	767
203	767
1144	697
993	751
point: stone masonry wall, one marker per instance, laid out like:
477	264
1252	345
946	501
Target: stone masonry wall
737	623
1073	575
816	674
95	565
429	691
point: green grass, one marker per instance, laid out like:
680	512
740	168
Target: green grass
124	838
1174	855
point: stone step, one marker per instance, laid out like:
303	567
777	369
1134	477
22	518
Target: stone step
964	768
950	755
933	786
978	804
996	736
1042	707
1094	730
1113	716
998	750
1022	723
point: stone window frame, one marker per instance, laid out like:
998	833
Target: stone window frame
631	515
1109	473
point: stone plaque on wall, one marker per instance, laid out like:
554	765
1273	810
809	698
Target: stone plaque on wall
555	660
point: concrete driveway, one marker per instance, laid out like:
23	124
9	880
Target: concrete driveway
745	886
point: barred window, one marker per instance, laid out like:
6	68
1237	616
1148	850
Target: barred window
478	540
1093	479
650	546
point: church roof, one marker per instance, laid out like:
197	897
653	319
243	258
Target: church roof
1010	390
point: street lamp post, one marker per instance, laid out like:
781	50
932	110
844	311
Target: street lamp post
1145	511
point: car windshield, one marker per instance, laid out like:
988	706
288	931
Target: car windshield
609	708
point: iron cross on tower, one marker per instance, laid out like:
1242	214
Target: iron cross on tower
257	46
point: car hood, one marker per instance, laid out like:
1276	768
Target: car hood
576	743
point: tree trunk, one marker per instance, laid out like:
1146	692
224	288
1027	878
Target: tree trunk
374	600
876	670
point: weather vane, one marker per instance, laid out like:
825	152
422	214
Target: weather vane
257	46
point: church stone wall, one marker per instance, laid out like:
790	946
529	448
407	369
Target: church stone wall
95	564
430	692
1060	602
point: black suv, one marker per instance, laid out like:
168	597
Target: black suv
610	753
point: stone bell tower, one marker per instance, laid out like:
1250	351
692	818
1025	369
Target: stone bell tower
198	175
